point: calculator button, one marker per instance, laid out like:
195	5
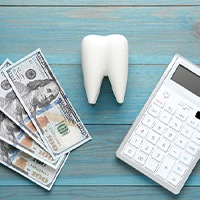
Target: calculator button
129	151
181	115
151	165
166	94
159	127
170	108
181	141
153	137
147	147
140	158
165	117
169	134
196	138
192	122
163	144
174	179
186	158
158	154
175	152
142	131
154	110
165	167
175	124
192	148
159	102
180	169
187	131
136	141
148	121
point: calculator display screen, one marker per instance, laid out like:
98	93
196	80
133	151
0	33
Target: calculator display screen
187	79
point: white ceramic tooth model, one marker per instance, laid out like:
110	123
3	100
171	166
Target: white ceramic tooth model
104	56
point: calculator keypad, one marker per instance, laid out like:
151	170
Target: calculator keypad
165	141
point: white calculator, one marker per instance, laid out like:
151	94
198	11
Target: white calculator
164	140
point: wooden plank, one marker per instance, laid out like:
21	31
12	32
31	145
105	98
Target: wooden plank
95	163
155	34
100	2
105	193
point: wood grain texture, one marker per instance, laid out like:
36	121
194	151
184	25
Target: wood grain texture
99	2
104	193
155	34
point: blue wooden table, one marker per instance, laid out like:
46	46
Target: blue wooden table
156	30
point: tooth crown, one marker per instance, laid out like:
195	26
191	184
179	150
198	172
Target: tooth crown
104	56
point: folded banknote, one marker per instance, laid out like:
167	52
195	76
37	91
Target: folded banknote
14	135
46	103
12	107
28	166
38	124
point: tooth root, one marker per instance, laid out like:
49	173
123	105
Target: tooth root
93	66
92	84
118	66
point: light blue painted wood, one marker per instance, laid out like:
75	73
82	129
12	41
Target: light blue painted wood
99	2
104	193
155	34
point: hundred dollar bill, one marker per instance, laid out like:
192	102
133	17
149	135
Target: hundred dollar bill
10	132
13	135
12	107
46	104
28	166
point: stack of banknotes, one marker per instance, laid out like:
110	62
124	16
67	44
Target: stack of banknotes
38	124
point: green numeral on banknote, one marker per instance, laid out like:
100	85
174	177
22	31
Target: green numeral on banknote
63	129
